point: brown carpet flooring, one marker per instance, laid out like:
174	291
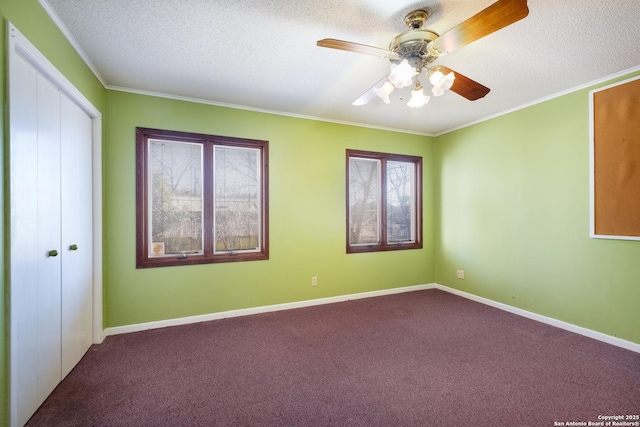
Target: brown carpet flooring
425	358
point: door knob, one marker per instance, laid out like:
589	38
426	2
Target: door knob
53	252
73	247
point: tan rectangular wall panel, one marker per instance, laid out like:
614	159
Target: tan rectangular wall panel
616	160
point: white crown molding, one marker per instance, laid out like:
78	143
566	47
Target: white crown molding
546	98
258	110
58	22
300	116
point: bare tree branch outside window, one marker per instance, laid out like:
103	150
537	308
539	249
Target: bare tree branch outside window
176	198
400	178
237	199
364	201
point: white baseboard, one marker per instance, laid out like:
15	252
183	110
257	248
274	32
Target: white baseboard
256	310
618	342
341	298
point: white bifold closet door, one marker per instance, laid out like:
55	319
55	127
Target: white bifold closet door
77	229
51	236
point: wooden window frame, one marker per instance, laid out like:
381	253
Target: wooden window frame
143	260
383	245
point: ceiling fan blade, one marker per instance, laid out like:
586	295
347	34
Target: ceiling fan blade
464	86
357	47
497	16
370	94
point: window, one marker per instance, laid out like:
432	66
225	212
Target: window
384	202
200	198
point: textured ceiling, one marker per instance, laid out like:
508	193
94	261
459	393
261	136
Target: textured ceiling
263	55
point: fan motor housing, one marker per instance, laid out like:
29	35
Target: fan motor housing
412	43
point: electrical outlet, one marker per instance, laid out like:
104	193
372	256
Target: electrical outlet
460	274
314	281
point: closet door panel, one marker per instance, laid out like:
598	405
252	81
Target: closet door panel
48	228
77	225
24	236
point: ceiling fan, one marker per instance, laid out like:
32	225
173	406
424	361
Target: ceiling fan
413	51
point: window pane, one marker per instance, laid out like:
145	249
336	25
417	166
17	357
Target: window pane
175	170
237	199
400	202
364	201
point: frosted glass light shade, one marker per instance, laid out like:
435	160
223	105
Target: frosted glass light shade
402	74
418	98
384	91
441	82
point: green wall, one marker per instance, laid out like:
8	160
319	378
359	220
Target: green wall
512	195
32	21
306	210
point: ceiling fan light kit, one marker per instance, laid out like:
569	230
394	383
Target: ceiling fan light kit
441	82
383	92
418	98
413	51
402	74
